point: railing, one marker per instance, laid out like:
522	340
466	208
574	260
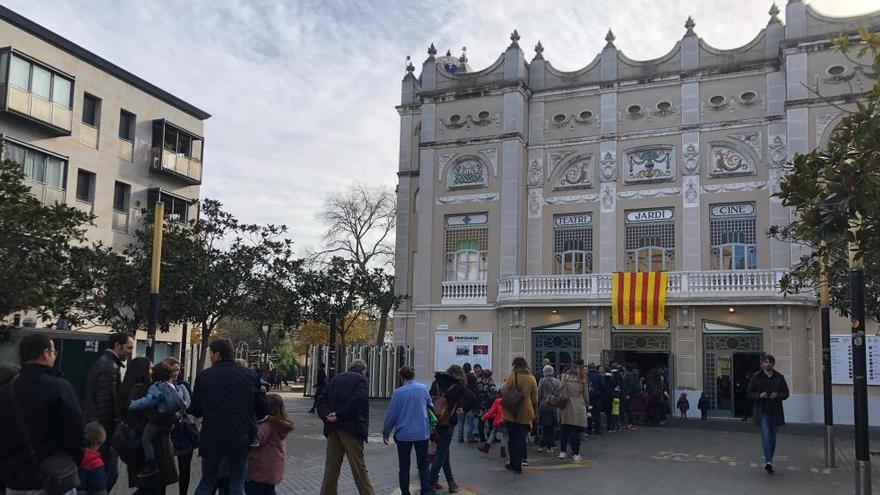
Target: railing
126	150
597	287
48	195
464	292
120	221
28	103
180	163
88	135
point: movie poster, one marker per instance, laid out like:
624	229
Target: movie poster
460	348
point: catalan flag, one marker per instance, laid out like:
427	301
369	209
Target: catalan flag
638	299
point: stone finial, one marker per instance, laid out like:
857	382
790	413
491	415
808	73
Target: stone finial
431	52
448	53
539	50
689	25
609	38
463	58
409	66
514	39
774	12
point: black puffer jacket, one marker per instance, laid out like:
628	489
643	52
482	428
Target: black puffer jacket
458	395
102	385
54	421
348	395
224	398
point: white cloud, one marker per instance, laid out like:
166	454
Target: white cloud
303	93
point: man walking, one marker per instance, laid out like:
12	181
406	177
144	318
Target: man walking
100	399
408	416
41	410
767	389
224	397
344	407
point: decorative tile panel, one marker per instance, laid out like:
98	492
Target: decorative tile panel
650	165
725	160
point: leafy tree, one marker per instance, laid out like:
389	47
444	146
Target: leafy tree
831	188
361	331
38	244
377	287
333	291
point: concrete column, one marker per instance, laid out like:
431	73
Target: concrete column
535	184
690	104
796	76
780	254
607	233
797	121
691	212
608	117
511	187
795	19
690	52
423	261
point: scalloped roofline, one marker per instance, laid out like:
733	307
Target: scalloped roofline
831	18
762	34
654	61
461	76
577	72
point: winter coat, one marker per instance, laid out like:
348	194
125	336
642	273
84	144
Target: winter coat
760	382
485	394
547	387
92	475
50	410
348	396
683	404
599	393
102	384
266	462
495	414
180	435
224	398
457	394
526	383
703	403
167	474
575	411
162	397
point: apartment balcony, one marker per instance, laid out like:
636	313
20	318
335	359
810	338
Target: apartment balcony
176	152
51	115
464	292
177	164
698	287
48	195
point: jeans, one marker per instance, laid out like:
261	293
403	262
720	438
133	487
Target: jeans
150	432
111	464
768	436
570	436
211	470
548	436
403	461
254	488
441	457
184	463
595	422
517	445
472	421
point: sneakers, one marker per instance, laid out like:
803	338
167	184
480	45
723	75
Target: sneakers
525	462
484	448
769	468
503	452
453	488
577	458
151	467
562	455
540	450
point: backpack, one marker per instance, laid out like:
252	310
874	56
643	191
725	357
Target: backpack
512	398
441	407
559	399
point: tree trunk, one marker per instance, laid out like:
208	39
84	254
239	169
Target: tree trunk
206	339
383	325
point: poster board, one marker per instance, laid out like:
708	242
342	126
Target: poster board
841	359
462	347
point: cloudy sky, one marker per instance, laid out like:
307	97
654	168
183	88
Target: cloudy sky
302	93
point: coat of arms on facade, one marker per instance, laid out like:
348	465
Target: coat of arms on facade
650	165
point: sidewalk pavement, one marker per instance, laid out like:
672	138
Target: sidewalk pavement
685	457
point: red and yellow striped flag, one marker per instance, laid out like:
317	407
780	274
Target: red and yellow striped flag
638	299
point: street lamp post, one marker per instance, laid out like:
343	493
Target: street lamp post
826	358
859	365
155	268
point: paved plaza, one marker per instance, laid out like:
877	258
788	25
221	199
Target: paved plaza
721	457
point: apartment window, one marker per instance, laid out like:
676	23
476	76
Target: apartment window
176	208
176	140
573	244
467	247
732	237
85	186
40	81
91	112
650	240
121	195
38	167
126	125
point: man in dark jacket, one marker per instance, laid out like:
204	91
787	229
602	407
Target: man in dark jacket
50	411
767	389
345	409
224	397
598	397
320	383
100	400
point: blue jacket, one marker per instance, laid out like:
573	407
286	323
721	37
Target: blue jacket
408	413
162	396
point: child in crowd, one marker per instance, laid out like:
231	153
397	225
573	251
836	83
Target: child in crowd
266	462
163	397
495	414
92	477
615	411
703	406
683	405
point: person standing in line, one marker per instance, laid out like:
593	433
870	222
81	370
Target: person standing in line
519	421
224	397
41	409
345	409
102	385
549	388
320	383
266	462
451	397
703	406
598	394
683	405
183	435
574	415
767	389
485	397
464	424
407	417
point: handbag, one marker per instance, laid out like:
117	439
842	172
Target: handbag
512	398
126	441
557	400
58	473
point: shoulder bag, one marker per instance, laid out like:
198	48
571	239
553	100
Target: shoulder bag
512	398
58	473
560	398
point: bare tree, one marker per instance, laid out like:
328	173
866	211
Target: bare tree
360	223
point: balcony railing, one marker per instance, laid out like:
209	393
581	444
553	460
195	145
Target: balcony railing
48	195
706	285
39	108
126	150
178	163
464	292
88	135
120	220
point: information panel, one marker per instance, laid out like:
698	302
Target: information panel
841	359
460	348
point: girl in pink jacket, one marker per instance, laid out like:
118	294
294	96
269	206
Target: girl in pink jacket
266	462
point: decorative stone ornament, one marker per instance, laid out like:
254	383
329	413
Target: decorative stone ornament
539	50
576	174
608	167
774	12
752	139
725	160
777	151
514	39
690	191
609	39
650	165
691	158
536	176
689	25
608	200
467	172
